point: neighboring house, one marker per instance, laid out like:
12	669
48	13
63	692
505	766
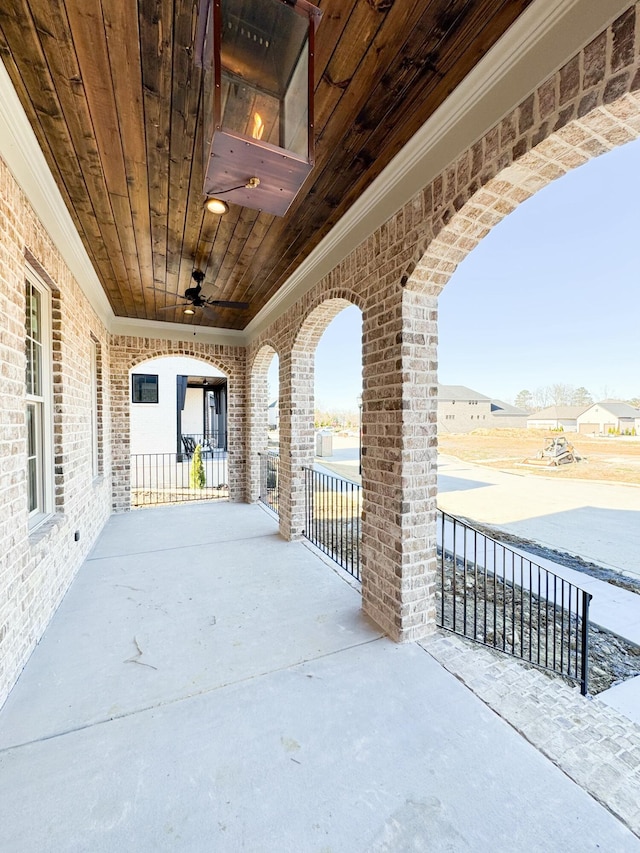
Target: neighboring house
174	397
273	414
460	409
556	417
506	416
610	416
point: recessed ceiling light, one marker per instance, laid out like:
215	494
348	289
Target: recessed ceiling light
216	205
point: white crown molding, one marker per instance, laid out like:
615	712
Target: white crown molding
129	327
540	41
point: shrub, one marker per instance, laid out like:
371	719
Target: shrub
197	478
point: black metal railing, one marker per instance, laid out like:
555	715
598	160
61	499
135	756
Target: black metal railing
486	591
333	508
163	478
269	480
498	597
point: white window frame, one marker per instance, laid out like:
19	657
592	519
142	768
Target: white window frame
42	405
93	355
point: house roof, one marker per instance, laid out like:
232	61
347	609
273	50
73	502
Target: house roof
498	408
450	393
617	408
557	413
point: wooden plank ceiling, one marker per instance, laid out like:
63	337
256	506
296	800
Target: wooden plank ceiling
114	97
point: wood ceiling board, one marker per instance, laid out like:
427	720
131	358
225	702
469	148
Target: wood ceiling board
155	22
184	165
485	39
352	93
123	38
54	127
90	43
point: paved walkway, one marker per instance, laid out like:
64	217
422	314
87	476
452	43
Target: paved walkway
207	686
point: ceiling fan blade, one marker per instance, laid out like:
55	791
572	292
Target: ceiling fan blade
209	311
161	290
170	307
222	303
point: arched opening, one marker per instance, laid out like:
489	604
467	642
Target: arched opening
273	403
333	499
338	375
178	431
264	422
550	355
297	414
511	162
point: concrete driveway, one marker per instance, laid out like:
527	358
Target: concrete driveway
599	522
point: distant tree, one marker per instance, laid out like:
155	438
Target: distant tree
524	400
581	397
635	402
542	397
561	394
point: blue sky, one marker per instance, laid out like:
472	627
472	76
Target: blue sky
551	295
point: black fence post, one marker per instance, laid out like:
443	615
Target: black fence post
584	669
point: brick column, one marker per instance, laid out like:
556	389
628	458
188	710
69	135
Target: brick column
296	437
399	447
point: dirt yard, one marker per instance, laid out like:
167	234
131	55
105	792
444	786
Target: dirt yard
610	458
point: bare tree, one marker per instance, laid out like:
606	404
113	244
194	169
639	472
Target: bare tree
542	397
561	394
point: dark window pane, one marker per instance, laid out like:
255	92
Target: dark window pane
32	477
144	388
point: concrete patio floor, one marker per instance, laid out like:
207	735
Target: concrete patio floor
206	686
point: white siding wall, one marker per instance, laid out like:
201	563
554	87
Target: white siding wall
153	425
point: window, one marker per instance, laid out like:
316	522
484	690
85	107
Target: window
96	406
38	395
144	388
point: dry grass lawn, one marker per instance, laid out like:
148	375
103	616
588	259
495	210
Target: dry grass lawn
610	458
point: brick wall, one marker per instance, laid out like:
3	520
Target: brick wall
589	106
36	569
127	352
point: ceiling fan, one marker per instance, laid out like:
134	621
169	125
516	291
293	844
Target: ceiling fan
193	299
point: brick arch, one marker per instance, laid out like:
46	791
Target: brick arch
261	358
128	352
217	362
320	313
530	162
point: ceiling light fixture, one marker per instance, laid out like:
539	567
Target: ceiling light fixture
257	54
189	311
217	206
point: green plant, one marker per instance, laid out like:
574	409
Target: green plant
197	478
